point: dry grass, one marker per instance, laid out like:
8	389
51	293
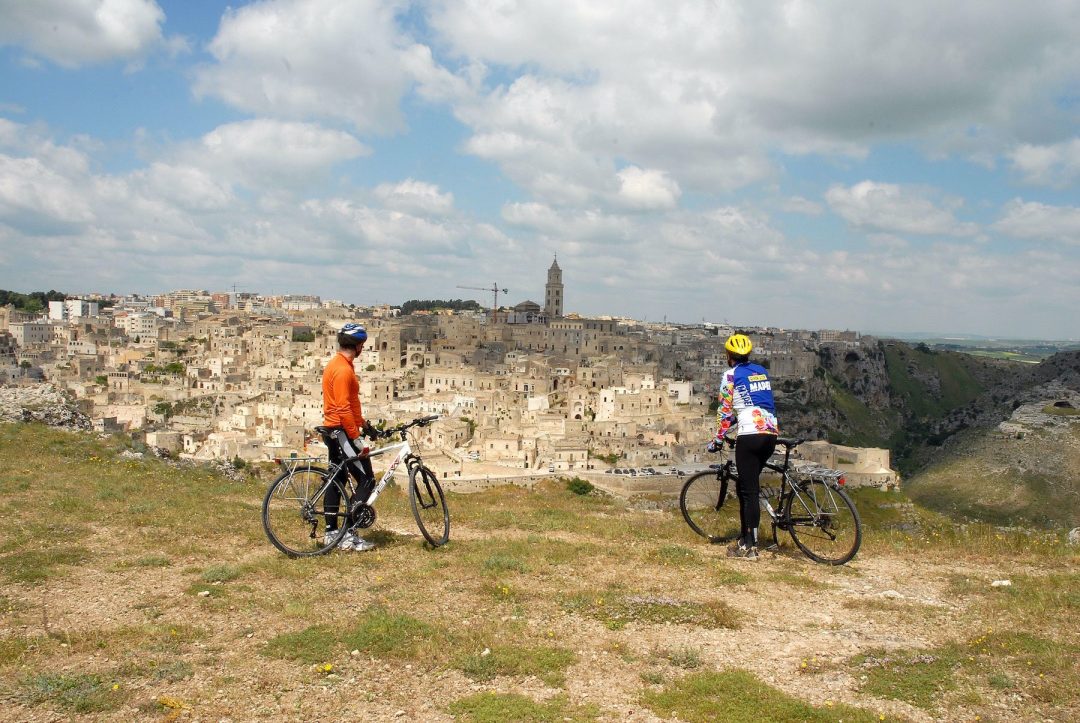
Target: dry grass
133	589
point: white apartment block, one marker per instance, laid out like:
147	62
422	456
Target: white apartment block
27	333
140	324
72	309
300	303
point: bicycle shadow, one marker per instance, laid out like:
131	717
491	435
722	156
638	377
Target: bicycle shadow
388	539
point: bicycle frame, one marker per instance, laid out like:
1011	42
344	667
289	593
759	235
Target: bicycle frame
404	454
831	478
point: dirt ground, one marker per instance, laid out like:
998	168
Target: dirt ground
799	624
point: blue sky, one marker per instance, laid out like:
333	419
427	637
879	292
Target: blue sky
872	166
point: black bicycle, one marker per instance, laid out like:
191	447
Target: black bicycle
811	505
294	511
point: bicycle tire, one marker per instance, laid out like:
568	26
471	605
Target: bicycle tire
294	512
823	523
428	505
698	502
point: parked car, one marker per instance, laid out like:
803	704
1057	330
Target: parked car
648	470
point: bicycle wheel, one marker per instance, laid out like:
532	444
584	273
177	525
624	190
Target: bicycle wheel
823	522
294	512
700	505
429	505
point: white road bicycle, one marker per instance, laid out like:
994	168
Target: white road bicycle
295	512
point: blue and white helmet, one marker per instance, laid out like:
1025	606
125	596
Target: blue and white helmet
355	332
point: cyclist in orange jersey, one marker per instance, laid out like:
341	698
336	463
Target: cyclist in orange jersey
343	416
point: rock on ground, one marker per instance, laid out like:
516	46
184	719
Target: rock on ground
42	403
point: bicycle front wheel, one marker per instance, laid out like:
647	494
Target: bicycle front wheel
294	512
824	523
701	507
429	506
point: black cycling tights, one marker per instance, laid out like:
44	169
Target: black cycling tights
341	447
752	451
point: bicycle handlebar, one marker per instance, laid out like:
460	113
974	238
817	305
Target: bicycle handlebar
401	428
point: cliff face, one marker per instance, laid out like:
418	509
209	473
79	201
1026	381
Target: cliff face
913	399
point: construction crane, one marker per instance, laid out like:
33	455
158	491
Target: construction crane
495	290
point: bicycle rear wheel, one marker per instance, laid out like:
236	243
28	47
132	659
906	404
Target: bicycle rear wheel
294	512
823	522
429	505
701	508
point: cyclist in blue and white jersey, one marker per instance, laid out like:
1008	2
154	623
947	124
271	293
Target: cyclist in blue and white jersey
746	403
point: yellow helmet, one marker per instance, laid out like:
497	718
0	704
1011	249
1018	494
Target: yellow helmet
738	344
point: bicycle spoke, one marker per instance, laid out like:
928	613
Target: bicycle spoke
295	511
823	523
700	505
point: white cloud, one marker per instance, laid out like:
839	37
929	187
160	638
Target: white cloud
192	188
798	204
299	59
39	196
76	32
415	197
263	152
647	190
707	91
1039	221
179	221
892	208
558	226
1056	165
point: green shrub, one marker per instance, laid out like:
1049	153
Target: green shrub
580	486
736	696
494	707
76	693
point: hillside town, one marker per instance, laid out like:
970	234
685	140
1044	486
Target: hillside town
524	391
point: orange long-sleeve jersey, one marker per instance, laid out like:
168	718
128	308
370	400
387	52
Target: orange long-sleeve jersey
341	396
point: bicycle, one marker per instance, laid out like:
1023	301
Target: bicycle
810	504
294	512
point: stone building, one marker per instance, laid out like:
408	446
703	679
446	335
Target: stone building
862	466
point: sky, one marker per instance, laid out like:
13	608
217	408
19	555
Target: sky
901	167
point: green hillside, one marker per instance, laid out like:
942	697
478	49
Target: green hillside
930	383
862	425
895	396
134	589
986	476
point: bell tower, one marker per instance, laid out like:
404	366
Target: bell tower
553	291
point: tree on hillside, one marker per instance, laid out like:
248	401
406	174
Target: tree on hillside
432	304
35	302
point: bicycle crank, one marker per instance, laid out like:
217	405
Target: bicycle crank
364	516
